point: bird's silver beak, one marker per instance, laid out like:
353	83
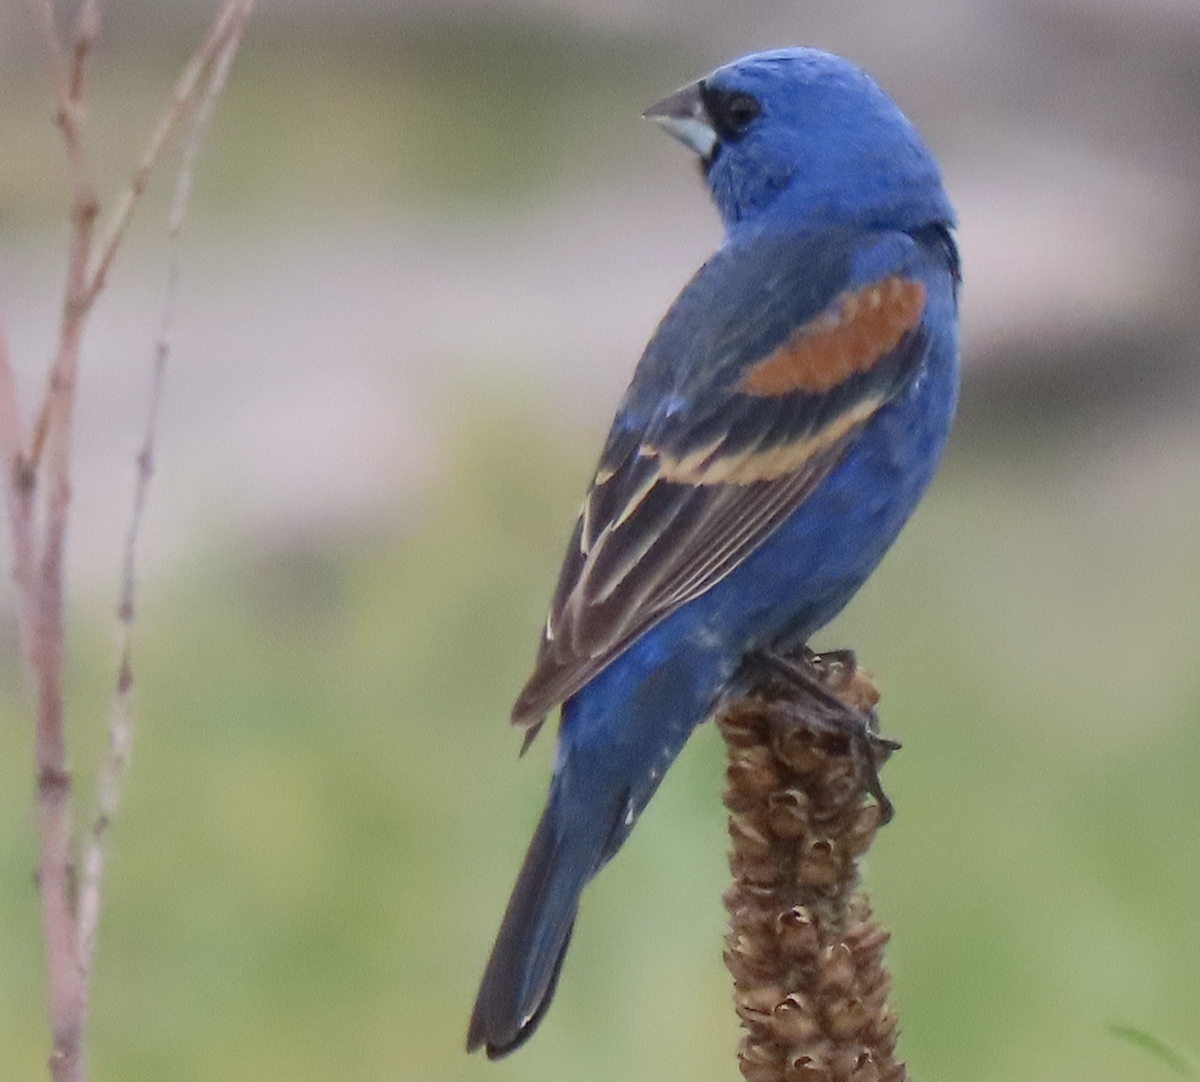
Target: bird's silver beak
682	114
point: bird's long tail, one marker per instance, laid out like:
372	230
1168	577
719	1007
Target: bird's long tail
522	972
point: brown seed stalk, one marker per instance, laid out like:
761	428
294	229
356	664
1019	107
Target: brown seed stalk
806	958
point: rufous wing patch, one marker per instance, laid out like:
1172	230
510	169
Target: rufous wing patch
851	337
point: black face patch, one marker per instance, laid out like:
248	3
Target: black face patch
730	111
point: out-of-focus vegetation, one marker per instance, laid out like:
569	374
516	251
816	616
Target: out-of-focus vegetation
325	810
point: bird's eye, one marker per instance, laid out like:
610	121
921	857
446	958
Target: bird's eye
740	109
731	111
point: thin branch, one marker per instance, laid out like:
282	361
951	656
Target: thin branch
67	78
120	731
37	477
224	35
53	783
87	30
39	568
67	81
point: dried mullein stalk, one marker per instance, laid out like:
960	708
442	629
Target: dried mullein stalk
804	804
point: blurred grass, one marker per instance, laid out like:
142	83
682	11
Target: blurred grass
326	812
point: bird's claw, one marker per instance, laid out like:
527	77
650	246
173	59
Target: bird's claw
847	697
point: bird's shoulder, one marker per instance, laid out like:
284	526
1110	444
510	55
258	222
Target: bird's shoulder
763	289
758	289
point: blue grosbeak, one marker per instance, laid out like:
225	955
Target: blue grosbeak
785	419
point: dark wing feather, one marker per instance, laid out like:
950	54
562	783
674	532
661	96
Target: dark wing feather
679	541
682	498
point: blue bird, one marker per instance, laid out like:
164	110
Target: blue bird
781	426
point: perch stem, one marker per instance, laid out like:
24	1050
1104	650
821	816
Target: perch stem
806	958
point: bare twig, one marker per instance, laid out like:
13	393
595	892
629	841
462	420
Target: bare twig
38	491
67	78
41	581
120	729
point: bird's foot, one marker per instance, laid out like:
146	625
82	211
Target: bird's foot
840	702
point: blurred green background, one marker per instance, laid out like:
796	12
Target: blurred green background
426	248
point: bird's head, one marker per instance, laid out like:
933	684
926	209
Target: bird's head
800	132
